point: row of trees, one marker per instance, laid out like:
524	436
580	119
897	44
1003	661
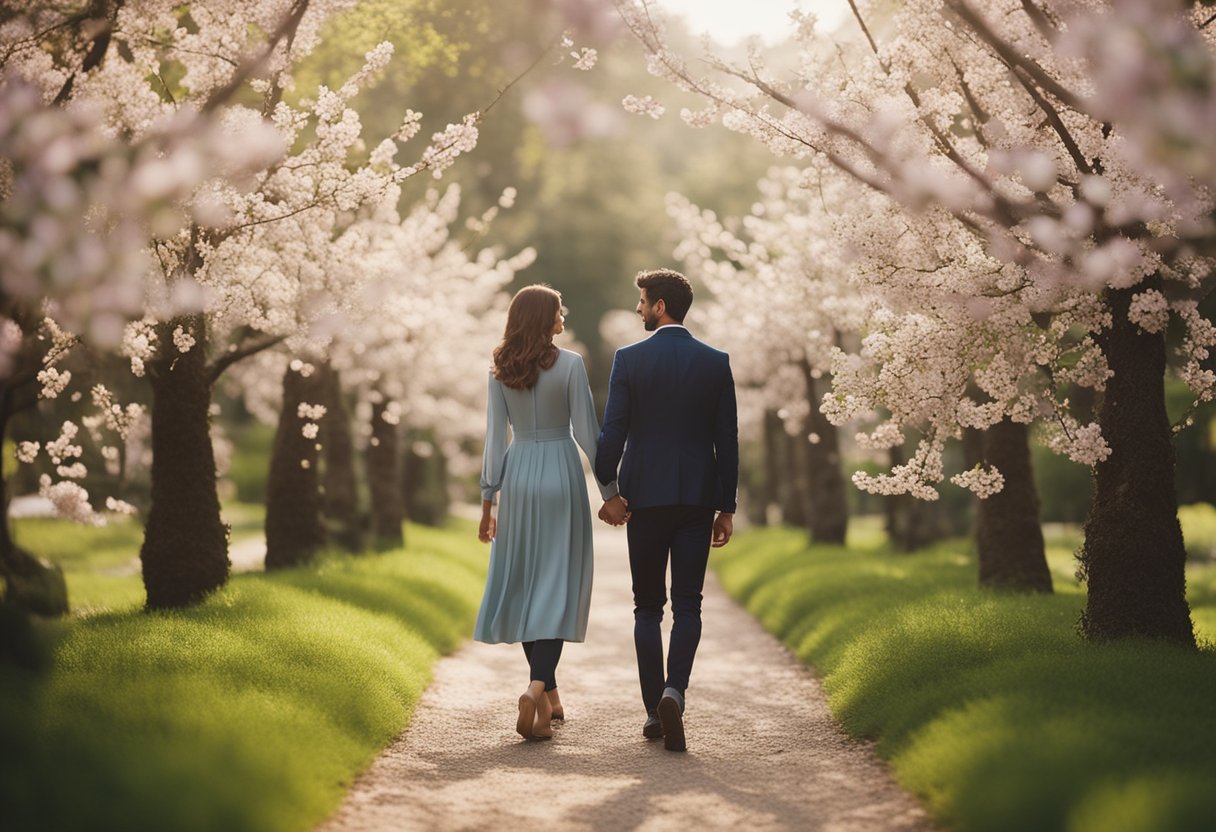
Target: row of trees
1001	214
171	196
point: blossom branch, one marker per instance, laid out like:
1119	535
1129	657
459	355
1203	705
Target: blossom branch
239	352
1012	56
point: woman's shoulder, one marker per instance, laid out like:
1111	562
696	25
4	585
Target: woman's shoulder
569	356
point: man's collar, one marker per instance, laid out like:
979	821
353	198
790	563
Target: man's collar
674	329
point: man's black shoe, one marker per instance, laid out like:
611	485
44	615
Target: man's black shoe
653	729
671	716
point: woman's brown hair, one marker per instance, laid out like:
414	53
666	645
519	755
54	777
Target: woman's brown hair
527	344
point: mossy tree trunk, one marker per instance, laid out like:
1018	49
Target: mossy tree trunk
26	583
294	532
185	549
341	495
383	458
829	508
1133	557
1008	535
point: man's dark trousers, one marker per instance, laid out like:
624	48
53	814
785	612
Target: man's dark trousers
683	533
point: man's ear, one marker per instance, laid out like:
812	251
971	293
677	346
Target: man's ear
660	307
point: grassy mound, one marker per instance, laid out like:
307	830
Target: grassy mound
989	706
252	711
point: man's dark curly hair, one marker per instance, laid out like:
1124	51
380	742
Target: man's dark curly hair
669	286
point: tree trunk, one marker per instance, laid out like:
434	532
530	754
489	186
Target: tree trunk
795	508
1133	557
772	463
425	480
911	523
341	492
829	508
384	481
1007	531
27	583
185	549
293	499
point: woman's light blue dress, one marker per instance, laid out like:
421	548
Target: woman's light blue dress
539	583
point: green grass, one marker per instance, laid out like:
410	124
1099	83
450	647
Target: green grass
251	711
989	706
101	563
1199	530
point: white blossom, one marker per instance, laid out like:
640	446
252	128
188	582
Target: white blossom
53	382
585	58
182	340
27	452
119	506
646	106
983	482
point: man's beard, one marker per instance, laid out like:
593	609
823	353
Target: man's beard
650	324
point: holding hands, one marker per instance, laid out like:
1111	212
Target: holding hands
615	512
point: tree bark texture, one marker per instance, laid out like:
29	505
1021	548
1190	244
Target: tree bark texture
383	459
341	493
1133	557
185	548
795	502
829	508
1008	535
772	462
294	531
911	523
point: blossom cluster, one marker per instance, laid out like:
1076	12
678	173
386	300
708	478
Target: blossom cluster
1009	168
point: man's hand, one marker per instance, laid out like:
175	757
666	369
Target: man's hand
615	512
724	527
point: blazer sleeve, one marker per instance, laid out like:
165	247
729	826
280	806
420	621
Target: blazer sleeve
616	424
583	421
494	458
726	445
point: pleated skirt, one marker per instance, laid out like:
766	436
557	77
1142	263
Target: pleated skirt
539	580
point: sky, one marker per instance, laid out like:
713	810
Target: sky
727	21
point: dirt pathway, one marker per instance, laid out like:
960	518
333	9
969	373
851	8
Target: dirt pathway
764	753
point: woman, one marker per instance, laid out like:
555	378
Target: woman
538	591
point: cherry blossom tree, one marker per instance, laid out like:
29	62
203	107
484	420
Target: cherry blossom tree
427	314
1041	176
78	202
263	264
782	304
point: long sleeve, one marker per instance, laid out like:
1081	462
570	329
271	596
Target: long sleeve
616	424
726	445
494	458
583	421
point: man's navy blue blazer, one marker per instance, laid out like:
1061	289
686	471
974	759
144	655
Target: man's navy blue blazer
671	413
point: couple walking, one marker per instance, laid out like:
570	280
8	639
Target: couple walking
670	424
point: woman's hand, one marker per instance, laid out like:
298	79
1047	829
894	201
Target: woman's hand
489	526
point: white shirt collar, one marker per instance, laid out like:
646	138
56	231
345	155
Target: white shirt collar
668	326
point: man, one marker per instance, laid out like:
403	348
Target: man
671	412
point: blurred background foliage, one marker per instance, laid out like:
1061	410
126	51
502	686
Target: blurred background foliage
591	178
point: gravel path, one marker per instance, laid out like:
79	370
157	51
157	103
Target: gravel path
764	753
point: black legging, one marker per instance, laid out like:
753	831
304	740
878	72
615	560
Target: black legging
543	655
